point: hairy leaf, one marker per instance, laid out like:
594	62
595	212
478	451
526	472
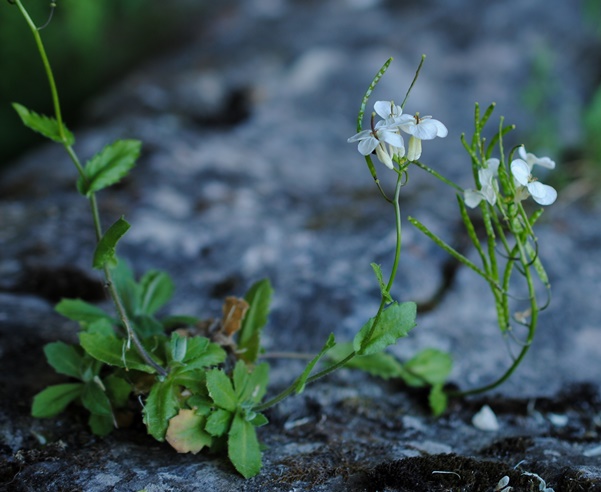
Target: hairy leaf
129	290
218	422
147	326
221	390
54	399
109	166
250	384
65	359
156	288
161	405
202	353
81	311
383	287
437	400
105	249
243	447
112	350
95	400
101	425
43	124
428	367
118	390
382	365
177	347
192	379
395	322
249	336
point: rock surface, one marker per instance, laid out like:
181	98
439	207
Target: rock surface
246	174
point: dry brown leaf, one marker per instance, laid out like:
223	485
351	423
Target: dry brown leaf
234	310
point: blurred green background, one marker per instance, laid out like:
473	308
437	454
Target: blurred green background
90	43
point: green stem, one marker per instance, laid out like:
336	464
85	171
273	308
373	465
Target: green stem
328	370
531	332
47	68
132	337
438	175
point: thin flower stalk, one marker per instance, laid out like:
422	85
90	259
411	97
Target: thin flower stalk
132	337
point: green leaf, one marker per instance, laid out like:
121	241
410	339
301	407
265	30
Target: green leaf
90	368
202	405
161	405
192	379
249	336
177	347
113	351
218	422
81	311
302	379
104	254
250	385
43	124
124	280
438	400
65	359
259	420
382	365
221	390
243	447
395	322
383	287
201	353
54	399
101	425
147	326
156	290
94	399
109	166
185	432
430	366
118	390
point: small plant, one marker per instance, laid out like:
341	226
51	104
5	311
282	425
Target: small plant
200	384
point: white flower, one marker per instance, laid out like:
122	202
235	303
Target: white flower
542	193
488	185
389	112
531	159
384	138
420	128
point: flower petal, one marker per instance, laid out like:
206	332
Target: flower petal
492	164
520	171
490	194
542	193
384	108
415	149
424	130
472	198
360	136
545	162
441	129
368	145
383	156
393	138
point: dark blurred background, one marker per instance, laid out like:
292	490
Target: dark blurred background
90	45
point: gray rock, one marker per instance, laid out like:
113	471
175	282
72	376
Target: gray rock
246	174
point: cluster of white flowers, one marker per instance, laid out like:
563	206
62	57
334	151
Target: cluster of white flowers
385	136
526	184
